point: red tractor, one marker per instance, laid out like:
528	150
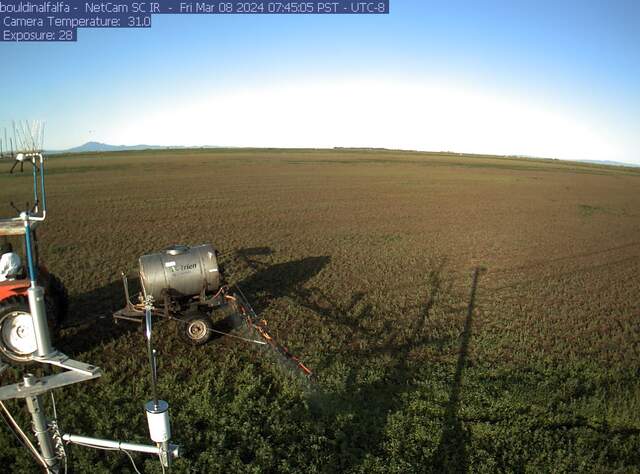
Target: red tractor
17	337
16	329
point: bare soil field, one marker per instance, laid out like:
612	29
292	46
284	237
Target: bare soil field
461	313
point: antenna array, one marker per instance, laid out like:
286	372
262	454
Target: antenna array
27	138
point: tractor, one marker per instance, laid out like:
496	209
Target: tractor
17	342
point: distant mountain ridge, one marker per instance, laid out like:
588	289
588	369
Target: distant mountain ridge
91	147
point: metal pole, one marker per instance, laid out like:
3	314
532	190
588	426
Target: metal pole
31	267
39	319
35	295
167	453
152	354
41	427
35	185
43	191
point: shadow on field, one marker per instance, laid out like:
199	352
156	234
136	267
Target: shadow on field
90	324
270	282
368	404
451	455
248	256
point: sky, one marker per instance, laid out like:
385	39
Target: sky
557	79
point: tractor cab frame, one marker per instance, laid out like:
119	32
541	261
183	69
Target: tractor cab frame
16	326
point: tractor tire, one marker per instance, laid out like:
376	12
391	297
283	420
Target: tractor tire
17	340
196	329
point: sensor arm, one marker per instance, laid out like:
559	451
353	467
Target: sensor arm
98	443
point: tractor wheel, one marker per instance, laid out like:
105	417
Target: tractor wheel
17	338
196	329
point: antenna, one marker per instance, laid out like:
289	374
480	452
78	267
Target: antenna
29	136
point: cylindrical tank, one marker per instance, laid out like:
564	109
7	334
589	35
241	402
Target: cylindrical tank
184	270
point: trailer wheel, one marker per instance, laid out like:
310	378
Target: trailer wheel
196	329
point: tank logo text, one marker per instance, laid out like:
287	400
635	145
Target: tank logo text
183	268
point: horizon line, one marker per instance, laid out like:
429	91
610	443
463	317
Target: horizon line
70	151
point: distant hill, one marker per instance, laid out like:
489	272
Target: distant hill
103	147
610	163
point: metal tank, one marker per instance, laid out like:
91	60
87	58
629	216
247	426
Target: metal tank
184	270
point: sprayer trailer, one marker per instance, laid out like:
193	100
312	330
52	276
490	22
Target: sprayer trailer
187	285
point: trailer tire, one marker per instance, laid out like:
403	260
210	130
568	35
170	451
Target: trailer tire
196	330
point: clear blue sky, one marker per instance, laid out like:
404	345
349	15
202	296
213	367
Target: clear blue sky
551	78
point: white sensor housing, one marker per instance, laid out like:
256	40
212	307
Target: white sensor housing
158	420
